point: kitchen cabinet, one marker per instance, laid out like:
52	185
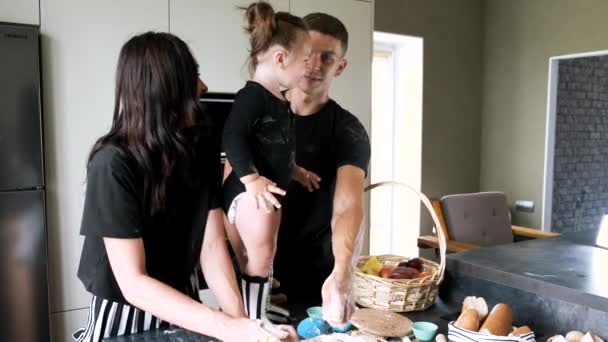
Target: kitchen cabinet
80	44
20	12
214	30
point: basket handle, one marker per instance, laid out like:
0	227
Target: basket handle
429	207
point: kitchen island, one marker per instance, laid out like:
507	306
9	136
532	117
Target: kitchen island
553	285
439	314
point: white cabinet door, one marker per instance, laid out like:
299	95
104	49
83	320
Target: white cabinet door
20	11
352	90
64	324
80	45
214	31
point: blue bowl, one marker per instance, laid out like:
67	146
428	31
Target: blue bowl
312	327
315	312
424	331
346	328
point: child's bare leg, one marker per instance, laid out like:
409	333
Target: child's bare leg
258	232
236	243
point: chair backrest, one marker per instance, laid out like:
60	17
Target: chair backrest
481	218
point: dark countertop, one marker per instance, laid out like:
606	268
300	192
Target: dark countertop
569	267
439	314
163	335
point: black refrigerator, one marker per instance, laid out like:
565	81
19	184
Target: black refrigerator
24	298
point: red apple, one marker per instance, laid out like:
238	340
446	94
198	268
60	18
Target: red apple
413	263
385	272
404	273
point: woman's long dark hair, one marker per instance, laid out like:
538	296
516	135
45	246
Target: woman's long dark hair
157	114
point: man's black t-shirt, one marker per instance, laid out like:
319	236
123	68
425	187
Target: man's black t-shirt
326	140
114	208
258	137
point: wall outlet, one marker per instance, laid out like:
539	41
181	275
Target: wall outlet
525	206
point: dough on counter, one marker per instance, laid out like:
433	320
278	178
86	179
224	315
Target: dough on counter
339	337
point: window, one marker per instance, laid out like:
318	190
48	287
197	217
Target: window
396	142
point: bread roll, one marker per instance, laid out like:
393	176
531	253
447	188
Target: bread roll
499	321
468	320
521	331
591	338
574	336
476	303
441	338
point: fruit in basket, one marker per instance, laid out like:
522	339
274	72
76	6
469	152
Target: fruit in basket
404	273
423	275
372	266
386	271
413	263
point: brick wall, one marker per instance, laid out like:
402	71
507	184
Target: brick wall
580	185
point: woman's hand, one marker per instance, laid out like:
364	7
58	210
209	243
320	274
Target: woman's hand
244	329
262	190
281	332
292	336
307	179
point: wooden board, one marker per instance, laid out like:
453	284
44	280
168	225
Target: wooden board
382	323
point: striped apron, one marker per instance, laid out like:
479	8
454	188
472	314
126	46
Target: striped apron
110	319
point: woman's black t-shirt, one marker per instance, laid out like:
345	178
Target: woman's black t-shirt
114	208
259	136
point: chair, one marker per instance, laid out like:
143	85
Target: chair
475	220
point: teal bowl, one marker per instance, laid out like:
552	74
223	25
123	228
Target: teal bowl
424	331
346	328
312	327
315	312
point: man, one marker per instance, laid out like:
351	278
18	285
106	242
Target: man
321	228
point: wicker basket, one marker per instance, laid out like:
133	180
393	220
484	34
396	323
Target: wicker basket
401	295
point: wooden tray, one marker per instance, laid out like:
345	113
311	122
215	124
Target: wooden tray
382	323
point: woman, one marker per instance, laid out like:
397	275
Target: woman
153	205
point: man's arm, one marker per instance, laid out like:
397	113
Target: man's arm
346	223
347	219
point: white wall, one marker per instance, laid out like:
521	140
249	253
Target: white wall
80	45
520	37
453	35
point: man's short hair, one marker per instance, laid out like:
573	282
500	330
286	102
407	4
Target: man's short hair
329	25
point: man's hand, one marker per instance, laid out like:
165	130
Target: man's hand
307	179
338	301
